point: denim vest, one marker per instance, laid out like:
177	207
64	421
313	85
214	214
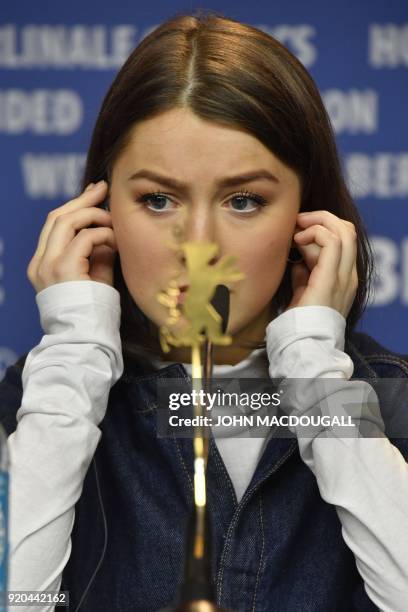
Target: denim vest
280	549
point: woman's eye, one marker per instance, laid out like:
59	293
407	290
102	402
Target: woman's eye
243	199
157	202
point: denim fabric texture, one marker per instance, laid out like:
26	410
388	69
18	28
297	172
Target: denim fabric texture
279	550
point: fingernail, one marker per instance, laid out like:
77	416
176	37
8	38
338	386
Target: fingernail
99	184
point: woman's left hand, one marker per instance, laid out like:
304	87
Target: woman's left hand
327	276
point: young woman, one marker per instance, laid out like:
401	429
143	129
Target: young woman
214	129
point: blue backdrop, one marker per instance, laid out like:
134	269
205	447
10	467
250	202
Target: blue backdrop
57	61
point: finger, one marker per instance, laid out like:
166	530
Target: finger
353	286
325	272
310	253
67	226
79	250
344	229
89	197
101	264
300	277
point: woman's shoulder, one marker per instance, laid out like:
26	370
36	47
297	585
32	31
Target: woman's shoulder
373	359
387	372
11	386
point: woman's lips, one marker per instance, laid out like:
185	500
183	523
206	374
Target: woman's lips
182	295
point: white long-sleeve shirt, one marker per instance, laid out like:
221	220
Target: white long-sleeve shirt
366	478
66	382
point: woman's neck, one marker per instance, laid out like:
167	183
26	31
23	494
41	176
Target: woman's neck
221	354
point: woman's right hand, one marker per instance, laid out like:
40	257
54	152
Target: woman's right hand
68	249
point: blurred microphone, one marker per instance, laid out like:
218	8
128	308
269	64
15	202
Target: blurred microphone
221	303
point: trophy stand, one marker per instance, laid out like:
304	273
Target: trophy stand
206	310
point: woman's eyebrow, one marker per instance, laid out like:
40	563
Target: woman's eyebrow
229	181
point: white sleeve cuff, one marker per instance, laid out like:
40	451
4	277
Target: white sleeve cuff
308	342
75	293
80	354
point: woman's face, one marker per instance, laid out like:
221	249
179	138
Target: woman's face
187	162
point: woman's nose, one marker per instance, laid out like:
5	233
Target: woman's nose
197	228
196	225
